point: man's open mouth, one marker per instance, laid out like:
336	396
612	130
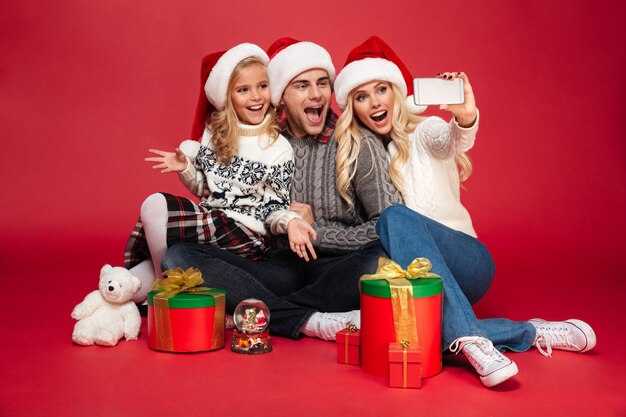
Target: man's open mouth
314	114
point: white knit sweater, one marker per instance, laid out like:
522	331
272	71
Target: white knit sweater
432	184
253	188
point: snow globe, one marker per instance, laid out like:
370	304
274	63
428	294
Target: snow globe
251	335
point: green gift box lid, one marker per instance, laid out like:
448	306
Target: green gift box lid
187	300
422	287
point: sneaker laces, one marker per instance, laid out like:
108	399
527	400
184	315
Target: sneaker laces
459	343
488	353
326	325
337	321
557	337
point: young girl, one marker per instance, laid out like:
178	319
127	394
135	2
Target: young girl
243	170
372	90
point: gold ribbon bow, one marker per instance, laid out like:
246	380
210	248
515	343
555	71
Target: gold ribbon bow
402	293
180	281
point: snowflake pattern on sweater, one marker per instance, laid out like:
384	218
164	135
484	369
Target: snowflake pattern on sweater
253	187
244	186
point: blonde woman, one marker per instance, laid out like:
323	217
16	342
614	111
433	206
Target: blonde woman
428	163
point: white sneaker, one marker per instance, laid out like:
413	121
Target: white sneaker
492	366
573	335
326	325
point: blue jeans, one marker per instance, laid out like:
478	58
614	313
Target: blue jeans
292	288
466	268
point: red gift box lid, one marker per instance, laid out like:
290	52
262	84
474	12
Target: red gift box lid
396	353
354	337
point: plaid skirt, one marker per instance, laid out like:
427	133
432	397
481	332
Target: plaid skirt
190	222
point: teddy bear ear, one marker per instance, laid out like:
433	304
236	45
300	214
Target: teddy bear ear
105	269
136	284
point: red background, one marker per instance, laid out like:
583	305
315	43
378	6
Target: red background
86	87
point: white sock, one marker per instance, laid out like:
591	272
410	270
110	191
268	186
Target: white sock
145	272
326	325
154	216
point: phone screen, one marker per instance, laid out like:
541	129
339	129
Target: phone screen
428	91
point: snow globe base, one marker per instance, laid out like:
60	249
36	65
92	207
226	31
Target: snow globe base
250	343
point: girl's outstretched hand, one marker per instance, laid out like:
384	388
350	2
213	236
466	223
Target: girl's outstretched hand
298	232
464	113
168	161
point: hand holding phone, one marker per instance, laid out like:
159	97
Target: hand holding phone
431	91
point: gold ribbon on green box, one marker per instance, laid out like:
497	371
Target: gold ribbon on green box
181	281
402	293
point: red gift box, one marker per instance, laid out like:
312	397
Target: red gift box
190	323
378	328
348	346
182	315
405	366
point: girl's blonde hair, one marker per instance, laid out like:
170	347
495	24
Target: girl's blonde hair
224	124
403	124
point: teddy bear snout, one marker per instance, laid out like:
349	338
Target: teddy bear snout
114	290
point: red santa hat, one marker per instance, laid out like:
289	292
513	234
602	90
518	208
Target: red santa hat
290	57
375	60
215	74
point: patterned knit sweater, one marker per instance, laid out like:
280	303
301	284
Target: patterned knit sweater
339	227
432	185
253	188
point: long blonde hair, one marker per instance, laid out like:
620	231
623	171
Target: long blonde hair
403	124
224	124
349	144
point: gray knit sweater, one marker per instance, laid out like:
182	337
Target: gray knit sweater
339	227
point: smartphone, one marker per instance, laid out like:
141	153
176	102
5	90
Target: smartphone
427	91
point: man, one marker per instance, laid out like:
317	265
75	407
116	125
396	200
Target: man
296	291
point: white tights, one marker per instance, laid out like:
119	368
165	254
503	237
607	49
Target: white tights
154	216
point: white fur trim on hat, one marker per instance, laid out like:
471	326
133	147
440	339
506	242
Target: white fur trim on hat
412	107
293	60
363	71
216	86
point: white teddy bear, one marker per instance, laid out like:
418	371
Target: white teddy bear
107	314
